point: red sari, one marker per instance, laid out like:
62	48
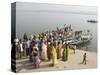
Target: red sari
49	52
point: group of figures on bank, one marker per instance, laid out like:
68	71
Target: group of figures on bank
43	47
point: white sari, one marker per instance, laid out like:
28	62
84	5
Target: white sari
44	52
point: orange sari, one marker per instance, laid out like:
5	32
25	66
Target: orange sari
58	50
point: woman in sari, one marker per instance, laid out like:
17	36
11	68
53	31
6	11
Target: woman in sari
36	59
58	51
49	51
44	51
54	55
67	52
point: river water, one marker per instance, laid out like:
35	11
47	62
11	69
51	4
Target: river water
34	22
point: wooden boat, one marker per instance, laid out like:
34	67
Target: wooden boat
83	39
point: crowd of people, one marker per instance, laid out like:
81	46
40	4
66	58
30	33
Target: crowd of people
43	47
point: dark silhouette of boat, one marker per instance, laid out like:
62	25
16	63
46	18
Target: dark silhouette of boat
92	21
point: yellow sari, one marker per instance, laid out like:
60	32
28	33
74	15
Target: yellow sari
68	53
54	56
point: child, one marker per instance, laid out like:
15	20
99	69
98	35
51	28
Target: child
84	59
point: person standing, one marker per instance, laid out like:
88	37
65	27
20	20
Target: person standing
65	52
28	46
54	54
20	46
49	51
44	51
16	41
36	59
24	47
32	44
84	58
58	51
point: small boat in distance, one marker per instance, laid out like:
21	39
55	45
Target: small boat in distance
92	21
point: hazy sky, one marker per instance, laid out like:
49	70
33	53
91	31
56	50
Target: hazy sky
32	18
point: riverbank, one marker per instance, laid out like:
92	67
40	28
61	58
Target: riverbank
74	62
